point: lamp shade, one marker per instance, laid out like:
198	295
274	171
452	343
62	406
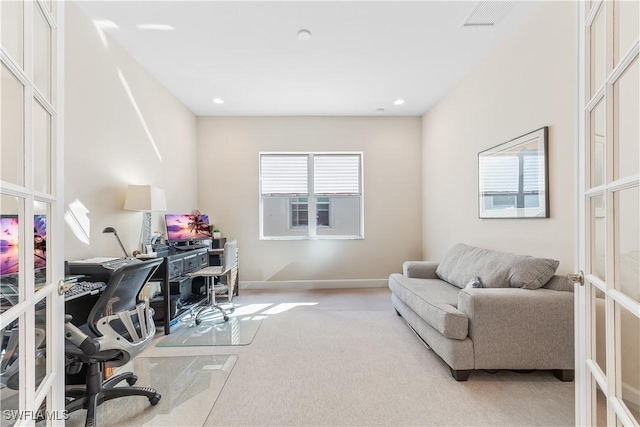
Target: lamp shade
145	198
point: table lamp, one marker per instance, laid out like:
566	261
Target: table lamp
147	199
115	233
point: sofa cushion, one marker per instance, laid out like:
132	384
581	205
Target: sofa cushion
435	301
495	269
559	283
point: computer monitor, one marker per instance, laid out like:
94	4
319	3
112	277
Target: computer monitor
9	249
187	227
9	243
40	241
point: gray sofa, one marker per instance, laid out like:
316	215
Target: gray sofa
482	309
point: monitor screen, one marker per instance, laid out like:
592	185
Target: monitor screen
9	253
9	243
185	227
40	241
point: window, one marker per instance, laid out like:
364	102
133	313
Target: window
296	187
300	212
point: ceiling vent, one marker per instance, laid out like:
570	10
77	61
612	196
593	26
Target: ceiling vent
488	13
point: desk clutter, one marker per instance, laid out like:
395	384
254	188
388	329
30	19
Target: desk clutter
174	288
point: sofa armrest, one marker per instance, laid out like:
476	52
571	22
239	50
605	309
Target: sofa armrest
420	269
515	328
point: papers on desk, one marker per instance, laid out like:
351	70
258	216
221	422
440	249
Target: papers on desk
149	255
96	260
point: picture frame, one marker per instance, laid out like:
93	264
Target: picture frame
513	178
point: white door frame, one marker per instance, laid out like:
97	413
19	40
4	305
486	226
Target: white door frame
51	387
588	372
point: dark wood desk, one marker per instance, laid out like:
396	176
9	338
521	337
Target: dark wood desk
176	266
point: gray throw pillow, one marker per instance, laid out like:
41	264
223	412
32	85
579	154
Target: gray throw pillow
494	269
559	283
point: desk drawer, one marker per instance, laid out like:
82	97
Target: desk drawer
203	260
191	263
176	267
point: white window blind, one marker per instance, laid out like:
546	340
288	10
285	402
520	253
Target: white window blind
284	174
501	174
336	174
533	173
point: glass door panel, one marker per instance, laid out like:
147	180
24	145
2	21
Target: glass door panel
598	63
629	350
10	393
42	53
626	110
599	328
599	405
41	148
10	254
597	137
627	245
12	29
598	260
12	129
626	21
40	220
40	337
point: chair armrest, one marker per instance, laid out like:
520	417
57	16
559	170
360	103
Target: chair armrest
420	269
84	342
520	328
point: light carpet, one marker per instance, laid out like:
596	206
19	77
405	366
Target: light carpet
343	357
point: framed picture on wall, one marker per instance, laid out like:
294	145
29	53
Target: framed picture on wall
513	178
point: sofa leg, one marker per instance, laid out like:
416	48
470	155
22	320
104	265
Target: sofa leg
564	374
460	374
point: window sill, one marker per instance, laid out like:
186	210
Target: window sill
312	238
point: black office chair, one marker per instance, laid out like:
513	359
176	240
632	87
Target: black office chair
118	328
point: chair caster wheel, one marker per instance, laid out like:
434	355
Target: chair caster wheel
131	381
198	321
226	318
155	399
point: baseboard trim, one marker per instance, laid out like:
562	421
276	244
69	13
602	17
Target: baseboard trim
315	284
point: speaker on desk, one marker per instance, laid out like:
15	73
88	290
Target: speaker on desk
218	243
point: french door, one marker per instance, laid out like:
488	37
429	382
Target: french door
31	202
608	362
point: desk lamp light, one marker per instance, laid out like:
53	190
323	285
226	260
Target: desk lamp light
147	199
115	233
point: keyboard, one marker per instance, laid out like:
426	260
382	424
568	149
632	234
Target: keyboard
80	289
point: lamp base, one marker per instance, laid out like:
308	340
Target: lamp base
146	232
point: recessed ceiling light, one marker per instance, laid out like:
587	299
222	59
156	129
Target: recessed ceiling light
218	101
160	27
399	101
304	34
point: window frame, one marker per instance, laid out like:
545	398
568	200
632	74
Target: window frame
312	205
296	201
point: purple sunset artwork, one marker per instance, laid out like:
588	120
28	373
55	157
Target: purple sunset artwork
182	227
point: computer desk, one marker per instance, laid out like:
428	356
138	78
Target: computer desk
176	266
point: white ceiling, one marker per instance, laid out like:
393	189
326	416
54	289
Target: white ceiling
363	55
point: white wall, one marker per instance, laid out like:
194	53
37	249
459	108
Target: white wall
122	127
527	83
228	150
